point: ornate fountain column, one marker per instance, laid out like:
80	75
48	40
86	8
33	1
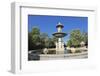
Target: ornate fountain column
59	34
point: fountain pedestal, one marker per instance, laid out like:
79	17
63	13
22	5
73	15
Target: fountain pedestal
59	48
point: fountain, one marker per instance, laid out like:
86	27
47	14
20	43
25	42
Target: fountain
59	44
61	52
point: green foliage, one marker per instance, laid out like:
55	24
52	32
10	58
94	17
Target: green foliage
38	40
69	43
76	37
52	42
54	39
44	39
85	37
30	43
35	35
35	31
34	39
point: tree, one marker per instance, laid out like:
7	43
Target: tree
44	35
35	31
51	43
44	39
47	41
30	43
34	39
54	39
36	36
85	38
39	40
76	37
69	43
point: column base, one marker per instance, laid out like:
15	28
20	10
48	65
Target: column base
59	52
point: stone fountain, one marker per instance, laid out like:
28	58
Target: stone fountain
59	34
60	49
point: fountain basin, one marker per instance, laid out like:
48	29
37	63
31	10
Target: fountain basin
59	34
64	56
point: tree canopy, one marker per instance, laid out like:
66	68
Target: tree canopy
39	40
76	37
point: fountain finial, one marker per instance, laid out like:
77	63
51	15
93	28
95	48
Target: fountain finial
59	25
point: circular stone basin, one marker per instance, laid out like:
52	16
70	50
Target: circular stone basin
59	34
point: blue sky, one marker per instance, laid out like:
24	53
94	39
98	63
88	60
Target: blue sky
47	24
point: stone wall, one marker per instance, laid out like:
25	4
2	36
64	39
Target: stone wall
63	56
